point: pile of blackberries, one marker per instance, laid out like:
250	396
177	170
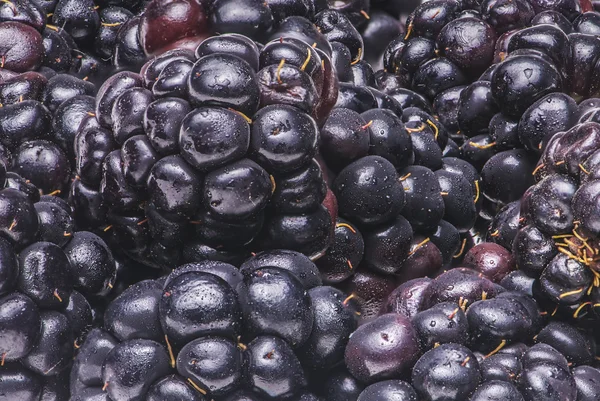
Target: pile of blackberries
303	200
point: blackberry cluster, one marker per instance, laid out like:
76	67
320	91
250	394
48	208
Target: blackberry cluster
303	200
83	38
173	169
50	274
462	337
557	237
209	330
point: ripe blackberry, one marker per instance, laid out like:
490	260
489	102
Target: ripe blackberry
260	342
52	275
179	182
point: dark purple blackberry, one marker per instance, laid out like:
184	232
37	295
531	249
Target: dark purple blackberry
175	182
52	275
172	326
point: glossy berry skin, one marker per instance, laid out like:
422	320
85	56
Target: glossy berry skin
496	388
551	217
91	146
441	324
152	69
117	194
295	53
476	107
494	320
344	255
453	284
424	259
199	304
569	341
106	35
79	19
175	20
110	90
355	98
491	259
459	199
428	19
548	39
226	81
341	385
30	85
533	250
334	322
368	191
436	76
62	87
283	138
172	81
389	390
54	349
68	118
238	190
227	235
87	367
138	157
546	375
129	53
337	28
204	142
468	42
79	314
231	43
134	313
148	358
20	325
535	126
309	233
273	301
407	298
296	263
587	380
272	368
506	15
174	186
19	58
173	388
382	349
289	85
23	121
162	123
128	111
20	383
343	138
300	191
44	274
92	263
424	202
497	175
256	18
501	366
443	374
521	80
389	137
227	272
24	186
387	246
221	369
34	159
